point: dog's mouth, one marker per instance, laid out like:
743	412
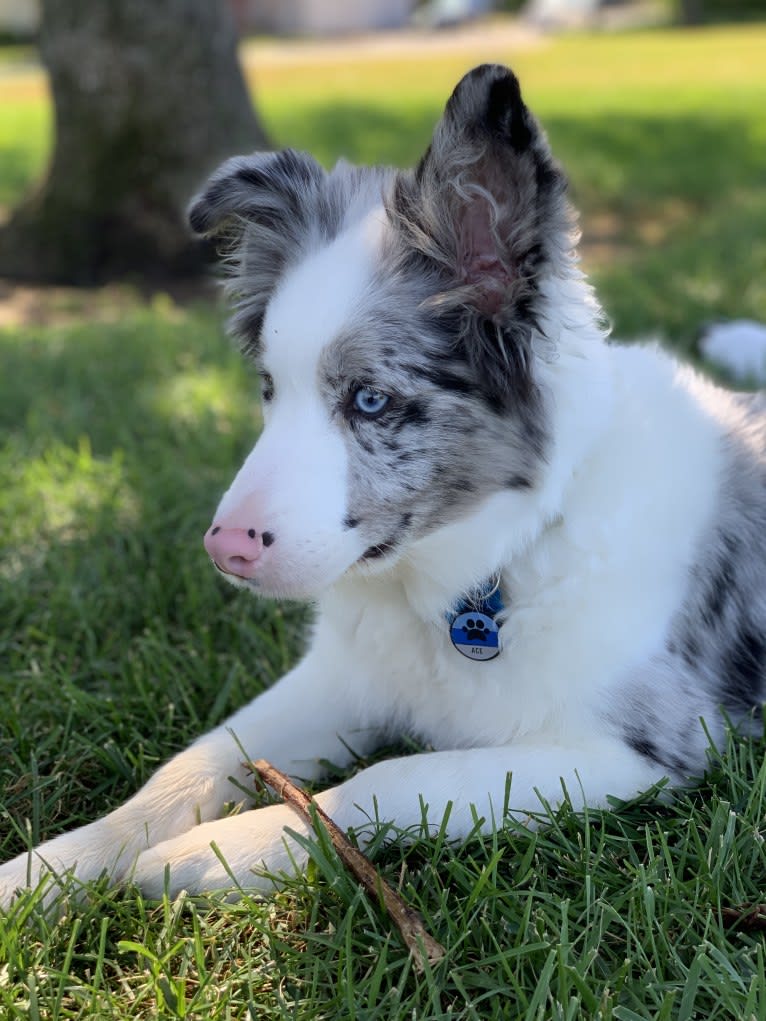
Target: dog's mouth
235	579
374	554
377	552
381	550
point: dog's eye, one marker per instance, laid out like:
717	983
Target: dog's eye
369	401
267	387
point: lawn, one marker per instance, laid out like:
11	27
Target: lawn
122	420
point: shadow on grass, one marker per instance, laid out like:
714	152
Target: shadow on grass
628	162
622	159
118	643
359	132
119	440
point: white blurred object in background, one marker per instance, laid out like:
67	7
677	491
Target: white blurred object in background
739	347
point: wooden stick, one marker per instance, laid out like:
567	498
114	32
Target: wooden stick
423	947
749	916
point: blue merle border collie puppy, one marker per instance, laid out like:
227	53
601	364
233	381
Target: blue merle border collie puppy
542	555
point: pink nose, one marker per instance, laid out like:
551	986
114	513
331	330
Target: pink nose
236	550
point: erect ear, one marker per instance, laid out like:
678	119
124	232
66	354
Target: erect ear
486	208
259	208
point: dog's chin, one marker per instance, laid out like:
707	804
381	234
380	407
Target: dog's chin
305	584
273	589
288	578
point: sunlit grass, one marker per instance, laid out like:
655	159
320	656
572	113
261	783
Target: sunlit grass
25	123
613	70
200	394
55	497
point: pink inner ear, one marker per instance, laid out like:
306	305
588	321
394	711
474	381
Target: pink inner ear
480	263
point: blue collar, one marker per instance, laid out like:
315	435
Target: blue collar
485	598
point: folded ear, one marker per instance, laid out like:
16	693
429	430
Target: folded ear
486	208
259	209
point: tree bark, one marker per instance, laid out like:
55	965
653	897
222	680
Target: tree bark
149	96
691	12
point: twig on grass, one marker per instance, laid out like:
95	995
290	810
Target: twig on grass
751	917
423	947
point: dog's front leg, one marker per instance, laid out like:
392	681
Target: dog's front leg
408	792
307	716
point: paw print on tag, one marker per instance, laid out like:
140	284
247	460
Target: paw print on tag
475	629
475	635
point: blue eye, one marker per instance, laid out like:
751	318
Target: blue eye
370	401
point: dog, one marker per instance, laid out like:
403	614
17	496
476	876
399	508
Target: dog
541	554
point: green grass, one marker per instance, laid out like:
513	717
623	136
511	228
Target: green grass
122	420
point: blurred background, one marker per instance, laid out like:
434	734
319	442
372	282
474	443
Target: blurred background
111	114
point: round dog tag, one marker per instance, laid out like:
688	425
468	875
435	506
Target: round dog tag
475	635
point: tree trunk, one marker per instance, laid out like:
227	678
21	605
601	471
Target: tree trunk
691	12
149	97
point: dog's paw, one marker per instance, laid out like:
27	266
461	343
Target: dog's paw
242	852
67	863
17	877
10	885
177	865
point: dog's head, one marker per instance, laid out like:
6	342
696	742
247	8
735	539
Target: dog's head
397	319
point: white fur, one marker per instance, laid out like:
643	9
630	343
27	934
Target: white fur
738	347
299	461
